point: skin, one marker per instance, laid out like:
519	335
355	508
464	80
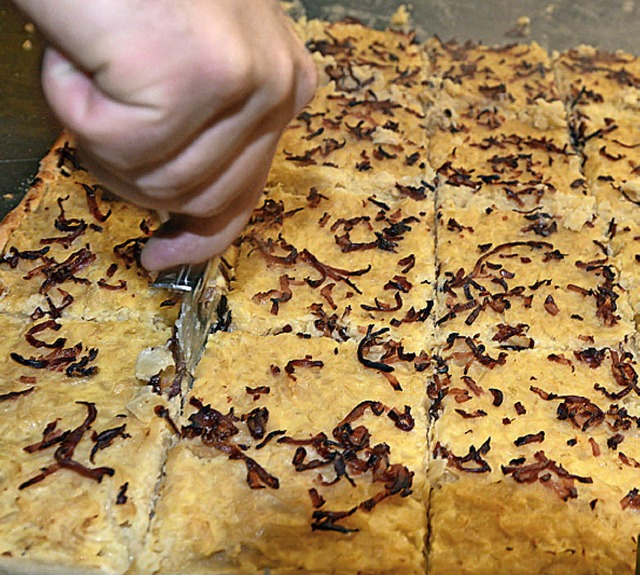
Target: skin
177	105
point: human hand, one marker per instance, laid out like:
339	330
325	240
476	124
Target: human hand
176	105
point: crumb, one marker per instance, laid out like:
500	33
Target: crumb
400	16
27	45
8	196
29	28
522	29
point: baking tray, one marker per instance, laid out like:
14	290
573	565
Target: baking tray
555	24
27	129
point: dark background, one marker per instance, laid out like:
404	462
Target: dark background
27	130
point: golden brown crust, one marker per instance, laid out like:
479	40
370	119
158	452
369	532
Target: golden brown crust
522	395
92	504
27	205
70	227
75	422
531	467
525	465
33	196
335	262
364	125
517	529
22	567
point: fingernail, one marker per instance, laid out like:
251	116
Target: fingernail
58	65
151	259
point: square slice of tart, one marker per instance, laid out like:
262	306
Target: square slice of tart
82	448
332	263
301	458
536	277
70	242
535	458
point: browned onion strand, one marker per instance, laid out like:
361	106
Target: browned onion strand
67	442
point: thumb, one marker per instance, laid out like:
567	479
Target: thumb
67	88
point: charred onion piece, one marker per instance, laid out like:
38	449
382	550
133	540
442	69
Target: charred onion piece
326	271
92	202
366	343
49	324
11	395
472	462
68	441
105	438
551	474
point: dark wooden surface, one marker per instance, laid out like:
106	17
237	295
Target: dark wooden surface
27	130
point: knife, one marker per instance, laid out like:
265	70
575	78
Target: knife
201	293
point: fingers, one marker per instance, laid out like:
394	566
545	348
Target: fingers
177	106
209	189
159	86
152	71
242	136
81	105
245	174
193	240
162	144
306	77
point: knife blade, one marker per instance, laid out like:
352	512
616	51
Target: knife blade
201	293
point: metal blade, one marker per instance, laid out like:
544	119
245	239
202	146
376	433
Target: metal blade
197	314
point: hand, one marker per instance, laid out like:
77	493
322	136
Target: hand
177	105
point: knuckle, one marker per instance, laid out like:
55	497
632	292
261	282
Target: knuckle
292	79
307	80
203	207
231	75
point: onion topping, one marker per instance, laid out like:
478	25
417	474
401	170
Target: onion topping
370	340
472	462
11	395
631	499
58	273
106	438
215	430
551	474
350	454
92	202
67	442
